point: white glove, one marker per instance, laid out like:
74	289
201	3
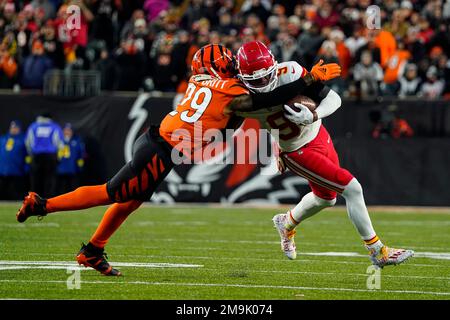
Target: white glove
301	116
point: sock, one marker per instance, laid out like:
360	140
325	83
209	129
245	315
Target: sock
357	210
81	198
308	206
111	221
94	249
373	244
291	223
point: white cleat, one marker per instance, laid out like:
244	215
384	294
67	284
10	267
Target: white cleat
389	256
287	236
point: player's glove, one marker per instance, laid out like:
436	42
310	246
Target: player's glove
324	72
298	114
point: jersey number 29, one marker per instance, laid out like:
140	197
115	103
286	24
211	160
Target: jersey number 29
199	103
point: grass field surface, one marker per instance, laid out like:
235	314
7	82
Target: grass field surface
221	253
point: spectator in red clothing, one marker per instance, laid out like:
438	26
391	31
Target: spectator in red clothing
426	32
326	16
29	16
401	128
419	25
389	124
73	37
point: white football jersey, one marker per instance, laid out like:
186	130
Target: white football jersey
290	135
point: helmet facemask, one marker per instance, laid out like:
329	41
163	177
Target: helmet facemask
263	80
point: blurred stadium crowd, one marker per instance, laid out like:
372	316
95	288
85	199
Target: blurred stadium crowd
148	44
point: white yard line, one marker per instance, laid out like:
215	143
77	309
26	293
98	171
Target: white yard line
172	223
14	267
281	259
341	274
70	264
30	225
185	208
243	286
64	265
75	267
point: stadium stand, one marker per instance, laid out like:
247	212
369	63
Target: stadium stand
148	44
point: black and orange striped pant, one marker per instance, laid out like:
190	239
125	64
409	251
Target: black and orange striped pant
140	177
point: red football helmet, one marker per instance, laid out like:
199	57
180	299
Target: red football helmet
257	67
215	60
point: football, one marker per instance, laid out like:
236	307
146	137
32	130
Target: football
304	100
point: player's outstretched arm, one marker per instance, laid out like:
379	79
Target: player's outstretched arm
256	101
282	94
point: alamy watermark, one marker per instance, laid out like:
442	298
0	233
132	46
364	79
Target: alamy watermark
213	146
73	19
373	17
374	278
74	279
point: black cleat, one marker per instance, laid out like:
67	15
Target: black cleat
91	256
33	205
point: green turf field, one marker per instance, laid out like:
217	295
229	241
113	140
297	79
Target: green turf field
222	253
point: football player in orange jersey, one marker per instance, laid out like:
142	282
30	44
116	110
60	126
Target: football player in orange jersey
212	96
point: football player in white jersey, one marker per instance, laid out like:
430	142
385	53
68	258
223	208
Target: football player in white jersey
307	150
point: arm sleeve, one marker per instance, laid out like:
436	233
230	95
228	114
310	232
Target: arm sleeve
317	91
328	105
280	95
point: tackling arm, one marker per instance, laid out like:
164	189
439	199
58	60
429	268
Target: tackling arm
256	101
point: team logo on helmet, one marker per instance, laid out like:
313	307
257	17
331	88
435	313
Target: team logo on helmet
215	60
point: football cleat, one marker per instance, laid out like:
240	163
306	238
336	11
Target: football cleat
33	205
287	236
96	260
389	256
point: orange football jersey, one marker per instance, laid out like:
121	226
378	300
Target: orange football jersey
202	108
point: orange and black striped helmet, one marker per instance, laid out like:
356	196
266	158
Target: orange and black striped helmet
215	60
